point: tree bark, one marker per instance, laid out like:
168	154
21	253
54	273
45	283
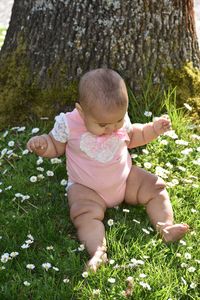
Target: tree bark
130	36
134	37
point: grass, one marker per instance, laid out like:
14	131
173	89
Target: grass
36	214
2	36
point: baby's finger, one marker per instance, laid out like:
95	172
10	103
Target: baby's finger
36	143
31	146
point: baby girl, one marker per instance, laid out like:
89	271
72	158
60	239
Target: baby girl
96	137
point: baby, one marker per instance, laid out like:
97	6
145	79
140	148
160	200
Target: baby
96	137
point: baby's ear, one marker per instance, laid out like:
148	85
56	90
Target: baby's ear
79	108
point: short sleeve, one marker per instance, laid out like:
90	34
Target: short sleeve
127	123
60	130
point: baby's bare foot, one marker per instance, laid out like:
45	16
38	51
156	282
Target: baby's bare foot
99	258
172	232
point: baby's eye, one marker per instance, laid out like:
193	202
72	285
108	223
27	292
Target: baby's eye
102	125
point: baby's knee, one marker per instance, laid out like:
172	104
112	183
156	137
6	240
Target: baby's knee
159	190
160	184
81	212
154	189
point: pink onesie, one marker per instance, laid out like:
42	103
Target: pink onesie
101	163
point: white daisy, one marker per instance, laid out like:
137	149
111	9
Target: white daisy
39	161
191	269
35	130
96	292
63	182
187	151
11	143
24	152
110	222
111	280
33	179
5	257
25	246
187	106
145	285
50	173
148	113
193	285
14	254
30	266
85	274
188	255
81	247
147	165
46	266
126	210
181	142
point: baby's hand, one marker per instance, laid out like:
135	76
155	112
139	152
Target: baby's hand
162	124
38	145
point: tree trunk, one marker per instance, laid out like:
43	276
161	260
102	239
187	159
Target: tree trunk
56	41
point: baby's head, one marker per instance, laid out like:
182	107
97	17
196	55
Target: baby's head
103	101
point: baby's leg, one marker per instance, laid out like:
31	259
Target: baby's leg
87	212
149	190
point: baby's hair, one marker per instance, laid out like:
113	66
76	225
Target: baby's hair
103	86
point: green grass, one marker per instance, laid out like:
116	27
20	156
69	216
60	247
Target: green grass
2	36
45	216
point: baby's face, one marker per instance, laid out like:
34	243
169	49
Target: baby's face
104	122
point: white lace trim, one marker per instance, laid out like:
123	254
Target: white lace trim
60	130
100	149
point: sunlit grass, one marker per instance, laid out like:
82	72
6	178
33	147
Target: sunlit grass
34	214
2	36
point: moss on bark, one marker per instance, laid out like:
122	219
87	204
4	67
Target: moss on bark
187	83
22	98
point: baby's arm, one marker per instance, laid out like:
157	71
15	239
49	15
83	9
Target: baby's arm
142	134
46	146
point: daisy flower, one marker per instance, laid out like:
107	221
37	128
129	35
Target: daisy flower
145	285
30	266
11	143
5	257
96	292
188	255
35	130
111	280
110	222
46	266
33	179
14	254
85	274
193	285
147	165
191	269
63	182
50	173
148	113
187	106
